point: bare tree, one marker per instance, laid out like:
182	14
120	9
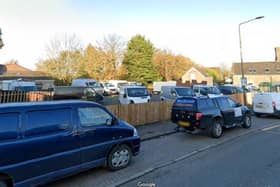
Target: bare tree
114	48
64	56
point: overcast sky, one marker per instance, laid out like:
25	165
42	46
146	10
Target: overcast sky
205	31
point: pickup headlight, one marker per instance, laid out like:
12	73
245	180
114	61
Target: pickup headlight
135	133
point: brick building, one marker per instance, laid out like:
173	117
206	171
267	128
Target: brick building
197	76
258	72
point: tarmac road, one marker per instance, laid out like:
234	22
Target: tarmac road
204	160
252	160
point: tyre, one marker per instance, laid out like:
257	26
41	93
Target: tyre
216	129
119	157
3	184
247	122
257	114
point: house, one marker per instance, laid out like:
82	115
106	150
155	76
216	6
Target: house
196	75
258	73
13	71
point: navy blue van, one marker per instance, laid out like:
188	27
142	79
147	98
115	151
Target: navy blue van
45	141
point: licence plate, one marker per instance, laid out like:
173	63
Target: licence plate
184	123
259	106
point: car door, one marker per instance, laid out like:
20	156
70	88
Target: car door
96	135
237	108
49	144
227	111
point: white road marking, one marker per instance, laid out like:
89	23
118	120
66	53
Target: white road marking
269	128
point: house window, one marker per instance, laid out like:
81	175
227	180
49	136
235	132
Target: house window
266	70
252	70
193	75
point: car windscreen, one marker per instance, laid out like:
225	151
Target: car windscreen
91	84
137	92
213	90
184	92
108	85
187	103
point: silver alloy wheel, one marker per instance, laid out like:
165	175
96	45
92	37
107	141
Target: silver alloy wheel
248	121
218	129
120	158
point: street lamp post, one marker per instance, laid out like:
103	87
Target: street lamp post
243	80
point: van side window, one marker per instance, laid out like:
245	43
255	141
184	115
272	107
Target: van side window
47	121
9	123
92	116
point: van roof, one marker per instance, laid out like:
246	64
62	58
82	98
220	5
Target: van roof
45	103
175	87
133	86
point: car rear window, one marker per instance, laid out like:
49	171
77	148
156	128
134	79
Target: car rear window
205	103
186	103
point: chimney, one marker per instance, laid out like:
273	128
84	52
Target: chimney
277	54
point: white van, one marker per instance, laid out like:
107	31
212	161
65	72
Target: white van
89	83
266	103
134	94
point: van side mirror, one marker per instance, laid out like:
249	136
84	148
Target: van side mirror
173	94
124	95
109	121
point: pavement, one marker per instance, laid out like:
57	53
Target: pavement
155	130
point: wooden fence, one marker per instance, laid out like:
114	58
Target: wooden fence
138	114
22	96
135	114
152	112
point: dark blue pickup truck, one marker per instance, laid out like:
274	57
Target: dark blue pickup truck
211	114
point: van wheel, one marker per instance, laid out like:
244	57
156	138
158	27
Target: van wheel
119	157
3	184
216	129
247	122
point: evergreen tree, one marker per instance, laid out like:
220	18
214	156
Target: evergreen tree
138	61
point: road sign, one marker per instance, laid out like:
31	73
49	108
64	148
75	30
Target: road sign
243	81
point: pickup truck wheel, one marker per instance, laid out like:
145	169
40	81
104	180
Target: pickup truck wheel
119	157
216	130
247	122
3	184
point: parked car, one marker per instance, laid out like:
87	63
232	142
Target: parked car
230	89
206	90
174	92
158	84
118	84
266	103
96	85
76	92
109	89
45	141
211	114
134	94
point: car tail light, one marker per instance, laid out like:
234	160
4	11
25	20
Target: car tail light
273	104
198	116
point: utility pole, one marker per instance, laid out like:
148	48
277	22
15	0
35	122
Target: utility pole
1	42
